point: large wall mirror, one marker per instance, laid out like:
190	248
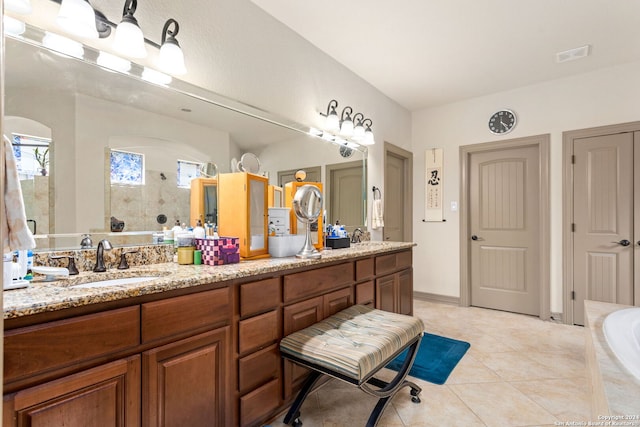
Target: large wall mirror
85	118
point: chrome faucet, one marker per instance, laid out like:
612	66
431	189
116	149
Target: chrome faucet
356	236
103	245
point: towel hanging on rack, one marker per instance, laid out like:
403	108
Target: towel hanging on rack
16	234
377	219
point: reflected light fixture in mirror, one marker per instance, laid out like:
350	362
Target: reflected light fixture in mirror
18	6
113	62
129	38
13	26
153	76
63	44
77	17
171	57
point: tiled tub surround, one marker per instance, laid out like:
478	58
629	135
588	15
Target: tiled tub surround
614	390
43	296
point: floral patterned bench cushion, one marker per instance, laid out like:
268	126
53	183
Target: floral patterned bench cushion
353	342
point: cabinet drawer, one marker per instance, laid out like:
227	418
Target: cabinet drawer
299	316
257	332
259	403
257	297
365	292
318	281
393	262
258	368
365	269
185	314
34	349
336	301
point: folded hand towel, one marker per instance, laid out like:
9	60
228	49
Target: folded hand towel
16	234
377	220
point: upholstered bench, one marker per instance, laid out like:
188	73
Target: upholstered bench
353	345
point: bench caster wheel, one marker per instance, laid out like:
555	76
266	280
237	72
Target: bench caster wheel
415	399
297	423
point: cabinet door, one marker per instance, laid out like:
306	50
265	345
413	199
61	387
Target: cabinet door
299	316
405	291
184	383
386	290
105	396
336	301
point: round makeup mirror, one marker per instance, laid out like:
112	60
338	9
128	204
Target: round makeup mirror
209	170
307	205
249	162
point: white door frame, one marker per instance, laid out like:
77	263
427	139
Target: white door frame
568	139
543	144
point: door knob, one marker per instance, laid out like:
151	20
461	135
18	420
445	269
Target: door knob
624	242
474	237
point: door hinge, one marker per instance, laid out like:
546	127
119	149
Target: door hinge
573	159
573	227
573	295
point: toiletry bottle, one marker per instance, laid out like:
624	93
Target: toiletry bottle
198	231
215	232
29	275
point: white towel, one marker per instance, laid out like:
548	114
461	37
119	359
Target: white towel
16	234
377	220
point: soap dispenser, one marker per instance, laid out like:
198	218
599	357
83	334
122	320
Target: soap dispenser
198	231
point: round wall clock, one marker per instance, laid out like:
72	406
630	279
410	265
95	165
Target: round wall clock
346	151
502	121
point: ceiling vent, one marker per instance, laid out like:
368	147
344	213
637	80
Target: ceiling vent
572	54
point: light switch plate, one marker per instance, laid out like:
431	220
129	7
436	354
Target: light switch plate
454	206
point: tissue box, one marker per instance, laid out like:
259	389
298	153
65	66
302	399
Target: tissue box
285	245
224	250
337	242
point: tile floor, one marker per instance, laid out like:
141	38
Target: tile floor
519	371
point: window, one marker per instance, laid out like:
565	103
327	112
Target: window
32	155
127	168
186	172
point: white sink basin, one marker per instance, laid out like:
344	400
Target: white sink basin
115	282
622	332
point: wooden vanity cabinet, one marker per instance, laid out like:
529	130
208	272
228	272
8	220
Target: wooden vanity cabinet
394	282
161	363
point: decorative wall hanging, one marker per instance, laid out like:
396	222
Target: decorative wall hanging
434	185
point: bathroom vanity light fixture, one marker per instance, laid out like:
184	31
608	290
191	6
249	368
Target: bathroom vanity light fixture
332	121
129	38
346	123
171	57
368	133
77	17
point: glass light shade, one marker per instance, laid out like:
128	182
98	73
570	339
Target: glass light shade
153	76
129	40
13	26
63	45
113	62
77	17
18	6
358	132
368	137
171	58
346	128
333	121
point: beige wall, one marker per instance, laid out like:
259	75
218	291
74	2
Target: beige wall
600	98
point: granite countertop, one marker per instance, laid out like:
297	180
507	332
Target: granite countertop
621	389
43	296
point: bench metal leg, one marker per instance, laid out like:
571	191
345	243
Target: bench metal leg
293	416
